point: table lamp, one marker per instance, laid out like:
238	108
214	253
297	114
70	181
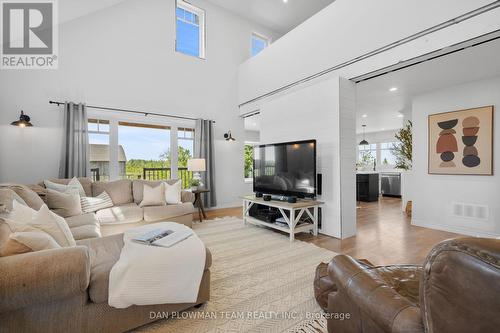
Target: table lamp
196	165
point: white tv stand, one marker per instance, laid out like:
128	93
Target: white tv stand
296	211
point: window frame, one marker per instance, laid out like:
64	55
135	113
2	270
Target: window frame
114	118
202	26
376	150
252	144
261	37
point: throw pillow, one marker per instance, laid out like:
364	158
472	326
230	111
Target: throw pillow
7	197
23	219
153	196
35	240
12	247
93	204
31	198
74	184
173	193
64	204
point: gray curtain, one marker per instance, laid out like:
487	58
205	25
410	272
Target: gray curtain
204	148
74	159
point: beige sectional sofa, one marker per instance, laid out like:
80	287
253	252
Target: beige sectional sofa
126	213
66	289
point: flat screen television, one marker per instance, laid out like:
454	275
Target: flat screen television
287	169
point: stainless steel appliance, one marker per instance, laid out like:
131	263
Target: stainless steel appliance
391	184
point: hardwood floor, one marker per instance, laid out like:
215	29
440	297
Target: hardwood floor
385	235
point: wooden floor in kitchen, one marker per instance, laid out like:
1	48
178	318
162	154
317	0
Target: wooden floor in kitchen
385	234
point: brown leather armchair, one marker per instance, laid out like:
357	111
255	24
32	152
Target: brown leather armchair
457	290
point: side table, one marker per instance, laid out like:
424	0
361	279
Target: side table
198	202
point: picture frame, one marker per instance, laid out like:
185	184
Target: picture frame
461	142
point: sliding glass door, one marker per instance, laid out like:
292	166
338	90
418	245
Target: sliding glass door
144	148
139	150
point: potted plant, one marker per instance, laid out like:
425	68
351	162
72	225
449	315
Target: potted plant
404	155
404	150
194	183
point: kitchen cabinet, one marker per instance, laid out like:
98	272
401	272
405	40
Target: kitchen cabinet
367	187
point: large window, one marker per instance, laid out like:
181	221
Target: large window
99	148
259	43
185	143
143	147
381	153
387	157
190	30
131	149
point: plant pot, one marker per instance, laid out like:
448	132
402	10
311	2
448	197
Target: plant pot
194	188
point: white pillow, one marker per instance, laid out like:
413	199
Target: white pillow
23	218
93	204
74	184
35	240
153	196
173	193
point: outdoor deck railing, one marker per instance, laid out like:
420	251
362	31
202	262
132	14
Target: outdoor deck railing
166	173
95	173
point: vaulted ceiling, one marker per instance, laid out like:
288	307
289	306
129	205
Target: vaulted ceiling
277	15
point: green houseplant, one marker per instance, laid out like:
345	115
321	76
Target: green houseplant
194	183
403	150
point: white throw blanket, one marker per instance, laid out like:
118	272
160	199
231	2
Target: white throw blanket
146	275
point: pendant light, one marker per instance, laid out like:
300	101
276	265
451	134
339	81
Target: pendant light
364	142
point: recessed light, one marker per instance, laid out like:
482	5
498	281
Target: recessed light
382	129
393	89
285	1
365	116
400	116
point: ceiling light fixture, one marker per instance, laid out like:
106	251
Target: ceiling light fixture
393	89
365	116
285	1
400	116
364	142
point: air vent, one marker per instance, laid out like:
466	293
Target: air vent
470	211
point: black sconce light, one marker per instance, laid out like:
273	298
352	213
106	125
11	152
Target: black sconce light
24	121
229	137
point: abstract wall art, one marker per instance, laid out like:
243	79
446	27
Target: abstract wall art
461	142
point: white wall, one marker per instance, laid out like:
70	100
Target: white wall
316	112
349	28
433	195
123	56
252	136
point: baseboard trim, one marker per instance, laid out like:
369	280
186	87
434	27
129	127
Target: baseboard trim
454	229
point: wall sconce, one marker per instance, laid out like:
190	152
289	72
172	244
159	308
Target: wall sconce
24	121
229	137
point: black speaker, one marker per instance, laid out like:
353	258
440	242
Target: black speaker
292	199
267	197
319	184
259	194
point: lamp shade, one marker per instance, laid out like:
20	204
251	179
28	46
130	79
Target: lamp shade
196	164
24	121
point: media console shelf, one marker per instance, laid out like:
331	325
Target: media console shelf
296	211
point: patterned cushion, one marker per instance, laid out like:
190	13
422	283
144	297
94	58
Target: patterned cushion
93	204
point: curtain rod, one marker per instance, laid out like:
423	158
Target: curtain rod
131	111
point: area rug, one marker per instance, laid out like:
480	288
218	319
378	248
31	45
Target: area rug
260	282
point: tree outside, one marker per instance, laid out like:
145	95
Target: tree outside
134	167
248	161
